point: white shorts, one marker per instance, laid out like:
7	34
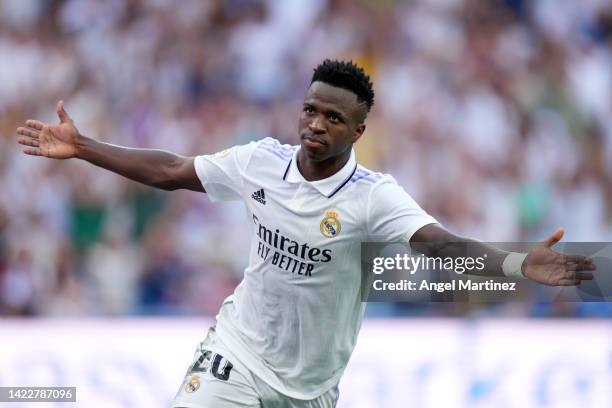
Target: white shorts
216	379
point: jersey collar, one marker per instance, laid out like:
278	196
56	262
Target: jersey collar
328	186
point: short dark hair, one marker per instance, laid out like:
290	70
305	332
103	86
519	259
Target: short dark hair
346	75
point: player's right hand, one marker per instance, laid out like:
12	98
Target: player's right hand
54	141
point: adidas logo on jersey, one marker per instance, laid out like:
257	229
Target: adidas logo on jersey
260	196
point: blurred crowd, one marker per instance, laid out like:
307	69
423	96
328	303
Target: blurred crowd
496	116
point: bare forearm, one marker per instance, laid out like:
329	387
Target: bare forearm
434	241
147	166
463	248
155	168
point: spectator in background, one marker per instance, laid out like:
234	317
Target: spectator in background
511	100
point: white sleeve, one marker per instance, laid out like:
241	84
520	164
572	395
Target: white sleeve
392	215
221	174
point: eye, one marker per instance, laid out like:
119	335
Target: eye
333	118
308	109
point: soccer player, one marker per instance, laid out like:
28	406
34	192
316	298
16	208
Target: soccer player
284	338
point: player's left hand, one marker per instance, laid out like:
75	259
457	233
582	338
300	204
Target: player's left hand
544	265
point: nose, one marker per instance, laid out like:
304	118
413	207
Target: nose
316	125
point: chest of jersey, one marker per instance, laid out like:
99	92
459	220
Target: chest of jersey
301	232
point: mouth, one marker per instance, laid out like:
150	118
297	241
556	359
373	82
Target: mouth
312	141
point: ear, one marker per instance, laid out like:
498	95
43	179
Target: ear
358	132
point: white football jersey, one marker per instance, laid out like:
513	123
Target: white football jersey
294	318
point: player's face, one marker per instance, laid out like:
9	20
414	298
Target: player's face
330	122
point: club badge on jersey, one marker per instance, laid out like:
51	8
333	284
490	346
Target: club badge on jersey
193	384
330	225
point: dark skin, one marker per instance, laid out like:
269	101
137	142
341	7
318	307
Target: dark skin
156	168
331	121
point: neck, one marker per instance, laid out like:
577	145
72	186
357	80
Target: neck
313	170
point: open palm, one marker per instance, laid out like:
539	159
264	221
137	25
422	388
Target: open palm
53	141
544	265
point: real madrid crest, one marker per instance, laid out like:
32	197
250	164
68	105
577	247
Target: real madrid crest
330	226
193	385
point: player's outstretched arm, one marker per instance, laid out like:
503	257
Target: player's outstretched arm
542	264
156	168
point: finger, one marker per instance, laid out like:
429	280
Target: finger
28	141
61	112
580	267
36	124
571	276
584	275
554	238
578	259
33	151
569	282
27	132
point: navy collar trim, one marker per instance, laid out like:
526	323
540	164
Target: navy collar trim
287	170
343	183
336	189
